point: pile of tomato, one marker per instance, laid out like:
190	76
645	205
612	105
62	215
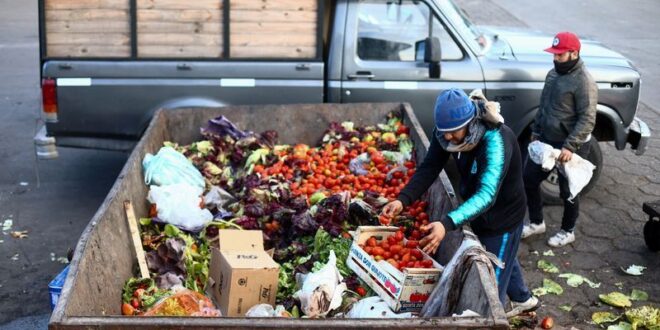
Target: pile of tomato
326	169
395	251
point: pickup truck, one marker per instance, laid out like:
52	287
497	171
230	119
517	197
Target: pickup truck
107	66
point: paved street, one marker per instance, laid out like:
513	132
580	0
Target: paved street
72	187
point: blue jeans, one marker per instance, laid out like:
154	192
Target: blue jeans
510	280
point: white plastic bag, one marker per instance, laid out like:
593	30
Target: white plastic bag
321	291
578	171
266	310
168	167
374	308
178	204
543	154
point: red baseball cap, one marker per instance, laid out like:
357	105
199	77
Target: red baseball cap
564	42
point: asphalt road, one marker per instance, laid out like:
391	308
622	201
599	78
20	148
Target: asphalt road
55	199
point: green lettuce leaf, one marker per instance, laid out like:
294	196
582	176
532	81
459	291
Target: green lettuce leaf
639	295
549	287
616	299
547	267
604	317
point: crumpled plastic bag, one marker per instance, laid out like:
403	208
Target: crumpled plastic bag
184	303
578	171
321	291
168	167
543	154
266	310
218	198
179	205
374	308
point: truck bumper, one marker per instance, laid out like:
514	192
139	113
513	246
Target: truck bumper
44	145
638	136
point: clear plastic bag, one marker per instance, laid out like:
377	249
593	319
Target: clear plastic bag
179	205
168	167
184	303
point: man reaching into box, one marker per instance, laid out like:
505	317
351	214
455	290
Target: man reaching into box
488	159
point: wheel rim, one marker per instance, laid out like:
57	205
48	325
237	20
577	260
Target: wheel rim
551	184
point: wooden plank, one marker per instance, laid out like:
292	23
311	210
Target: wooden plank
179	39
273	27
272	52
88	51
86	4
309	5
189	15
172	27
137	241
88	26
179	4
297	40
179	51
86	14
272	16
110	39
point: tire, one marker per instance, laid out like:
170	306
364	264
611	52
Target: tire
550	187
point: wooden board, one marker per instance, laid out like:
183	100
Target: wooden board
179	16
179	51
135	237
179	39
291	40
240	15
308	5
272	52
180	4
87	28
176	27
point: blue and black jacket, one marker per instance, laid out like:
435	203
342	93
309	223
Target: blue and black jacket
491	183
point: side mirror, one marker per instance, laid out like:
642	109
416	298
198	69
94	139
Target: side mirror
430	49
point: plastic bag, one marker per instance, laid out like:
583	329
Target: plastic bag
168	167
321	291
184	303
374	308
543	154
179	205
266	310
218	198
578	171
356	165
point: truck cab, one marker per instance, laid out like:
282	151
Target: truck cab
219	53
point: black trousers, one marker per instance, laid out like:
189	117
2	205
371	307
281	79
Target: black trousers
534	175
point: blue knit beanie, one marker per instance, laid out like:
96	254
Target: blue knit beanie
453	110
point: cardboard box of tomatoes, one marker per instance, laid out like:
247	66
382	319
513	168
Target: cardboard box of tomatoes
398	271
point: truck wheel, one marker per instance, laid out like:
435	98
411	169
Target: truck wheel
550	187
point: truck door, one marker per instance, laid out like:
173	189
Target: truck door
380	64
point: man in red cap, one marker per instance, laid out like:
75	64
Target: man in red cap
565	120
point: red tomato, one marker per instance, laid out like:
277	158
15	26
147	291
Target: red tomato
361	291
417	254
396	248
371	241
428	263
412	244
391	240
378	251
399	235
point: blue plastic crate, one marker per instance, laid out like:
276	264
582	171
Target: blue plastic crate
55	287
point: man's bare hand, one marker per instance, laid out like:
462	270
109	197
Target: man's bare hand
431	241
392	208
565	155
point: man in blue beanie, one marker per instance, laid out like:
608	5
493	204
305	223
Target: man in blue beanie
488	158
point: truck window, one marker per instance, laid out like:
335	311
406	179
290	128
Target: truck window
387	31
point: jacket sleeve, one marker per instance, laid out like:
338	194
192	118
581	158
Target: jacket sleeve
586	99
425	174
493	163
537	127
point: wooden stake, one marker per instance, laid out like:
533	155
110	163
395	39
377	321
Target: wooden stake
137	242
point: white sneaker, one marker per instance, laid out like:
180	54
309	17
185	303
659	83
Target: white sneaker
561	238
528	305
533	229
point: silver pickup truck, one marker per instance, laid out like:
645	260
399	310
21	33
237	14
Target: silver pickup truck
102	81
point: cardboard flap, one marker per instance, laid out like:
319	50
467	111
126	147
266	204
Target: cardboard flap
241	240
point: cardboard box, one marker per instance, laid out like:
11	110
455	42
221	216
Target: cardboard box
405	291
241	273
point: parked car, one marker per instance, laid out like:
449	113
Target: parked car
108	66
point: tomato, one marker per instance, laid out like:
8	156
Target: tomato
399	235
387	254
368	249
393	262
372	241
127	309
135	303
391	240
378	251
423	216
405	258
409	164
417	253
423	204
384	220
428	263
412	244
547	323
395	249
361	291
